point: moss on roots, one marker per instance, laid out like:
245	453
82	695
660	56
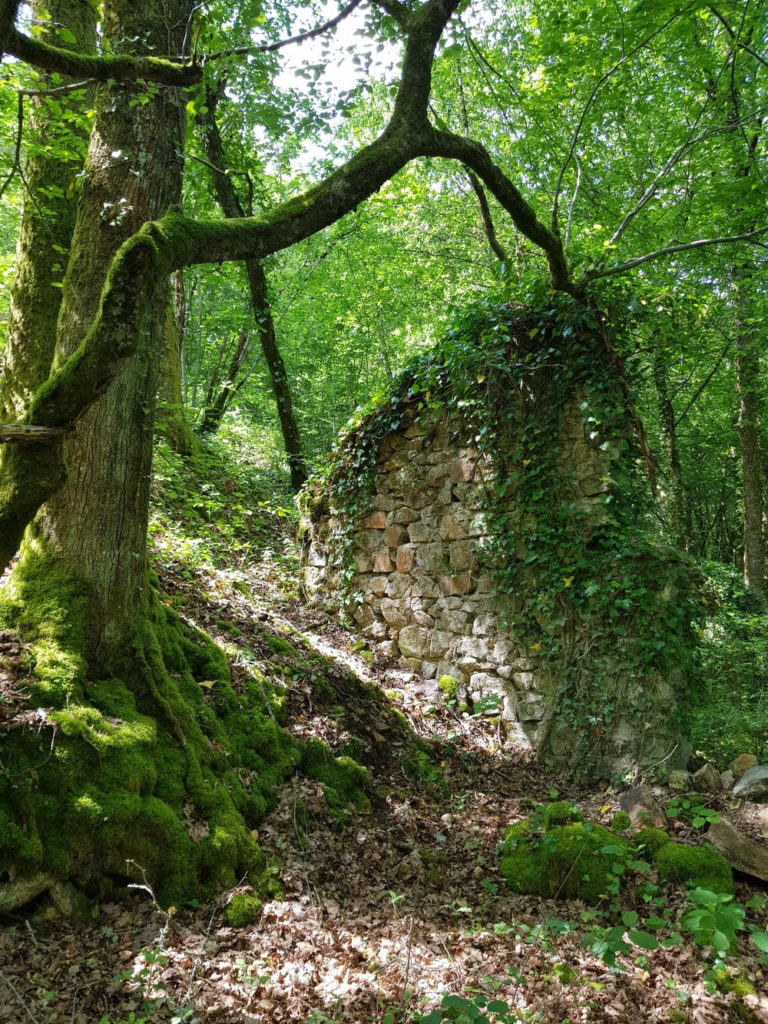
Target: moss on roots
157	770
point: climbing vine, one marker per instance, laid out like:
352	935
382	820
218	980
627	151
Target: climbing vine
588	592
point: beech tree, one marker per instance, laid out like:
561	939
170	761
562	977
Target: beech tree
118	670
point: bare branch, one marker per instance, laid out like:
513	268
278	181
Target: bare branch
670	250
593	95
58	90
302	37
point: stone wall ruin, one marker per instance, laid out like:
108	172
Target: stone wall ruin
422	589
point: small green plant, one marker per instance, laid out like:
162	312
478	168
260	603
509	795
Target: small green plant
692	808
714	920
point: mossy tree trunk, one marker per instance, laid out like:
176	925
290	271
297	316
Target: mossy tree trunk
48	218
134	752
133	174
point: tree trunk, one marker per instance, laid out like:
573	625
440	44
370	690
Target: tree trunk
47	222
171	418
262	310
133	175
134	756
750	405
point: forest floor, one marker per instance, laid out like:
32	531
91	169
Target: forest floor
384	912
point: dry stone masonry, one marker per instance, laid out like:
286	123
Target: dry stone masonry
422	587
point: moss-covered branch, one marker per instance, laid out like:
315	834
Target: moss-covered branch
100	68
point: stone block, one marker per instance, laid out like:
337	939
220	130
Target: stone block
419	533
455	585
376	585
530	709
741	764
524	680
398	586
454	622
739	851
450	668
413	642
376	630
451	527
363	562
430	558
474	647
422	618
382	562
438	474
385	502
461	555
642	807
753	785
376	521
502	651
363	615
483	684
405	557
425	586
440	642
395	535
707	780
405	515
680	781
462	470
393	613
483	625
415	498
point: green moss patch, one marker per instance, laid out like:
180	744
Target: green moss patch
694	866
159	770
343	779
574	860
242	910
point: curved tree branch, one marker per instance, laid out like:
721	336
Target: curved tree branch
670	250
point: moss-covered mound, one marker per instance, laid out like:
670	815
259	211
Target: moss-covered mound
557	854
694	866
157	772
553	859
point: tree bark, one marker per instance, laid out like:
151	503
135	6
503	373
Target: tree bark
750	409
171	417
133	174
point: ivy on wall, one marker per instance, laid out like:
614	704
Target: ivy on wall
589	594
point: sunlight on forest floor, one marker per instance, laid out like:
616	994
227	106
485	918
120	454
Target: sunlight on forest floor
383	912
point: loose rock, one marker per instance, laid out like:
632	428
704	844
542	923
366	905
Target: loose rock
753	785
